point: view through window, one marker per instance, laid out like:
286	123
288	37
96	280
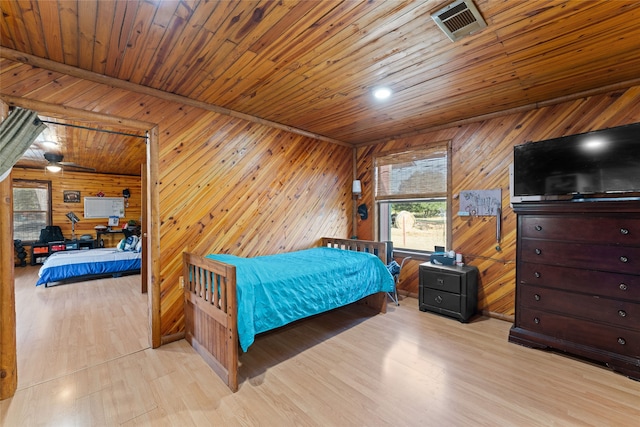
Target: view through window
419	225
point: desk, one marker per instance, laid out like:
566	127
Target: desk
100	233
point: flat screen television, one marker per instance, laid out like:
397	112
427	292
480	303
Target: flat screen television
588	166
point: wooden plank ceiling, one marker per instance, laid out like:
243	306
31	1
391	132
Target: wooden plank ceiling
312	65
86	147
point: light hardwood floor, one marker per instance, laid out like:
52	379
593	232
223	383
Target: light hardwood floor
84	361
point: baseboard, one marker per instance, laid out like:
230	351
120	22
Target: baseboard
166	339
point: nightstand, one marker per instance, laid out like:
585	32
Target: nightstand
448	290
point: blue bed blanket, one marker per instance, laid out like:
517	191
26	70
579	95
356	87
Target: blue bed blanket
70	264
275	290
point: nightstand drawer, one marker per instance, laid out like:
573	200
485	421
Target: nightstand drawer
441	281
439	299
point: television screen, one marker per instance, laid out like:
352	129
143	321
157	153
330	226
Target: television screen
601	162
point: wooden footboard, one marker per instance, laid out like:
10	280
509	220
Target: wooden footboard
210	314
211	310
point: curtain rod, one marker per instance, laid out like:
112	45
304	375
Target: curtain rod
97	130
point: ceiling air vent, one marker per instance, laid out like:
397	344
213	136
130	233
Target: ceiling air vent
459	19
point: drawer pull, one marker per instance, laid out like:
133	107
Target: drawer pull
623	286
539	228
539	251
438	299
440	281
537	274
624	259
536	297
624	231
622	313
622	341
536	320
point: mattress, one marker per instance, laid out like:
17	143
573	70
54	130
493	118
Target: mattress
275	290
66	265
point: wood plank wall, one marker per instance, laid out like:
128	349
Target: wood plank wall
481	154
248	190
226	185
89	184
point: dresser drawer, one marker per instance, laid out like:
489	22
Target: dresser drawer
615	230
620	259
613	285
605	310
433	298
595	335
441	281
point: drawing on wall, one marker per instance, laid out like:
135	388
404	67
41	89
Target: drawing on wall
480	202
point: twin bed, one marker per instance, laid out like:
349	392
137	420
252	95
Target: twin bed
78	265
229	299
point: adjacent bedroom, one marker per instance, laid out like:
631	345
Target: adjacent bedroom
77	226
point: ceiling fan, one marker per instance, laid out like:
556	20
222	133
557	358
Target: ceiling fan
56	164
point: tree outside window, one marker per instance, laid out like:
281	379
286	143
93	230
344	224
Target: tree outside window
31	209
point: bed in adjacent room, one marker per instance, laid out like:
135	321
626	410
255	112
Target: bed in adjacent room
88	264
230	299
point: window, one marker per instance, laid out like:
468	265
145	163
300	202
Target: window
412	198
31	209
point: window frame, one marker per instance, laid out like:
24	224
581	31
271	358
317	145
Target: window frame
379	211
32	183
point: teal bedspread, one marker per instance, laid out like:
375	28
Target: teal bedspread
275	290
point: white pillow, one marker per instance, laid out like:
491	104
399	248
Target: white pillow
129	244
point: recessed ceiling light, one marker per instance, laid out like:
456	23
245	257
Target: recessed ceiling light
382	93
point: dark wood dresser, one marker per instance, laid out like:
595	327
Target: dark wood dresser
578	280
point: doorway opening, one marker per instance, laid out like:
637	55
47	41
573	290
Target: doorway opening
149	220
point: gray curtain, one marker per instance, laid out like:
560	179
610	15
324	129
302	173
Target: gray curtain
17	133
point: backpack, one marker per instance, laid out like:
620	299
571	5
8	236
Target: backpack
394	268
51	233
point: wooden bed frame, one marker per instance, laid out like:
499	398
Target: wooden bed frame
86	277
211	317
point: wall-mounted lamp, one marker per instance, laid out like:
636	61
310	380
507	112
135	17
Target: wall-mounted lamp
357	188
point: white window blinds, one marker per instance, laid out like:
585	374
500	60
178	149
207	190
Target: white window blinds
419	173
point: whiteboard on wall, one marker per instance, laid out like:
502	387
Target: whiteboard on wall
103	207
